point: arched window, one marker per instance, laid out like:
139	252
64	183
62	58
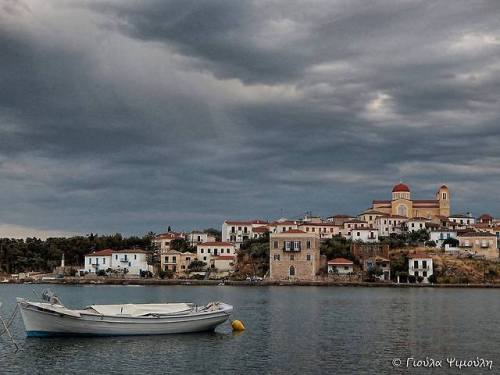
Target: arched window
402	210
292	271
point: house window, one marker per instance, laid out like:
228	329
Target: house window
308	244
292	271
204	258
358	234
188	259
346	268
415	264
308	257
135	256
116	256
174	259
129	264
276	257
275	244
201	251
424	274
103	260
424	264
232	229
287	245
90	260
296	245
183	267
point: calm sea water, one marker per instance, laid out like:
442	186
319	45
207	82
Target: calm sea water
290	330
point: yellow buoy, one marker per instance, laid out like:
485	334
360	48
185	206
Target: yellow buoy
237	325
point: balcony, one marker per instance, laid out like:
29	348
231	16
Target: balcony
124	260
291	249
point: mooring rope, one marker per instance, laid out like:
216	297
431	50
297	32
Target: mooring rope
10	320
6	327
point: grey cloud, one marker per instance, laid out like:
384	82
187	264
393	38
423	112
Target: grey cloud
126	116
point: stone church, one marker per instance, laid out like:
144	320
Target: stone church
403	205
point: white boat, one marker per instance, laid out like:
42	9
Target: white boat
42	319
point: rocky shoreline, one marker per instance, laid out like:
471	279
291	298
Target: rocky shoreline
188	282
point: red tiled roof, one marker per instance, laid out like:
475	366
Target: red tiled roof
486	217
419	256
294	231
477	234
393	217
245	222
169	235
340	261
215	243
319	225
260	229
400	188
372	212
286	222
104	252
137	251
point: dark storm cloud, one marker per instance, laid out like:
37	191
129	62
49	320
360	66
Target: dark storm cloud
129	116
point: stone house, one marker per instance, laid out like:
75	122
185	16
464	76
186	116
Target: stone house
294	255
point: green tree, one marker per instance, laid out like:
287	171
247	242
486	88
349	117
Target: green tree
453	242
197	266
180	244
337	247
214	232
432	279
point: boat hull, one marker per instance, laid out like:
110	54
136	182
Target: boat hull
43	324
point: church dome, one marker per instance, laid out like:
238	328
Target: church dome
400	188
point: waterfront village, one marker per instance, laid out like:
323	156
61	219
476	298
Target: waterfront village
398	240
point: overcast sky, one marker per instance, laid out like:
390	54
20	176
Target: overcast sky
129	116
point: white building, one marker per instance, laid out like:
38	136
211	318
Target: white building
440	235
162	241
416	223
130	261
238	232
340	266
98	260
389	224
420	265
196	237
370	216
466	220
364	235
283	225
325	230
205	251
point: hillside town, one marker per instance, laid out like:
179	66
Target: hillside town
398	240
374	243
